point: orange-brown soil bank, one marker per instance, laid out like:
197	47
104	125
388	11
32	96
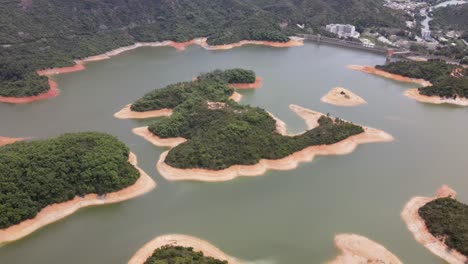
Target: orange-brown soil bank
357	249
51	93
55	212
396	77
257	84
417	226
293	42
287	163
180	240
157	141
127	113
414	94
5	140
342	97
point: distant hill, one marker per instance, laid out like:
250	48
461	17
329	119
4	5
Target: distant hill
454	17
37	34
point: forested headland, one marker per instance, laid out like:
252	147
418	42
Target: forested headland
447	219
35	174
451	17
437	72
221	132
41	34
178	254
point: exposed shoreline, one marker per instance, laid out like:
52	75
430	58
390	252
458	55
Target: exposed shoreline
6	140
370	135
80	64
357	249
51	93
127	113
157	141
412	93
417	226
255	85
340	96
180	240
56	212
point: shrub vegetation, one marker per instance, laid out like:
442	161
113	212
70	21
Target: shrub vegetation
447	219
39	173
180	255
437	72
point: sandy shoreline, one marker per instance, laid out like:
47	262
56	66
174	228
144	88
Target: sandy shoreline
255	85
6	140
180	240
418	227
51	93
414	94
127	113
56	212
340	96
80	64
157	141
357	249
370	135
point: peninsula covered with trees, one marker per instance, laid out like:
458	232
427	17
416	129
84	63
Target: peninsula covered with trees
209	131
448	80
447	219
178	254
39	173
44	34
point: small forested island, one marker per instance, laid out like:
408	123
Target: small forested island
174	249
211	133
42	181
440	224
447	81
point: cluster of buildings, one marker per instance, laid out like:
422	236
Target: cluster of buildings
343	30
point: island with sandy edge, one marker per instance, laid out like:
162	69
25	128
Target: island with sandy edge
290	162
340	96
417	226
56	212
357	249
180	240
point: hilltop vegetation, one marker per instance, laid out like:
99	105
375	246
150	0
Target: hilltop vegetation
39	34
452	17
180	255
221	132
437	72
38	173
447	219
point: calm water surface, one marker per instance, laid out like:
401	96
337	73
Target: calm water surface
283	217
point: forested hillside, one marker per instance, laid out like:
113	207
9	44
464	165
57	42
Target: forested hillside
38	173
38	34
452	17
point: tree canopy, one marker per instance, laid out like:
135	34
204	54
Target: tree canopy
35	174
180	255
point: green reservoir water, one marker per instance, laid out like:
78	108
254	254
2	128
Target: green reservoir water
280	218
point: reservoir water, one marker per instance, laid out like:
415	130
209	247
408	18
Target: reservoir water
284	217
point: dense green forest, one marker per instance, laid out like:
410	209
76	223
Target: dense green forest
39	34
446	218
222	132
437	72
38	173
236	75
180	255
452	17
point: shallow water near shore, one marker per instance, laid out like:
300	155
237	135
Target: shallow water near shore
282	217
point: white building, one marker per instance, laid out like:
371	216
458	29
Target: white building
367	43
343	30
426	34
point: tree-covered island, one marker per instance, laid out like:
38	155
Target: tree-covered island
448	80
39	173
177	254
447	220
221	133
